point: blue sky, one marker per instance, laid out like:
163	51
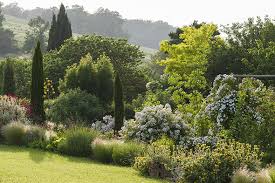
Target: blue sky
175	12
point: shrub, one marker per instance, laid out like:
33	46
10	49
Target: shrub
244	110
142	165
102	152
106	125
217	165
124	154
14	133
10	110
76	105
77	141
35	136
201	164
153	122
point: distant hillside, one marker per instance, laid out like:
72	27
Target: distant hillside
103	22
20	26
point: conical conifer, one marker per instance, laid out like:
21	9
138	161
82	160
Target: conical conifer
37	86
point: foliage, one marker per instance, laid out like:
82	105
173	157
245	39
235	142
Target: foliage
245	110
34	136
38	28
119	104
14	133
81	76
22	74
77	142
75	106
186	66
201	164
104	76
123	56
11	110
106	125
49	91
124	154
102	152
94	77
8	44
153	122
37	86
60	30
8	79
52	34
218	165
251	47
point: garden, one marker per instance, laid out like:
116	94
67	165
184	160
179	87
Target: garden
90	109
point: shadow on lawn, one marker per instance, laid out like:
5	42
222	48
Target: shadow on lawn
35	155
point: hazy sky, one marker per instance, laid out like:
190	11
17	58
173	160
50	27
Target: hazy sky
175	12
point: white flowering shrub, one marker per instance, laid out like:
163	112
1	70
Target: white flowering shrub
10	110
221	102
242	110
106	125
153	122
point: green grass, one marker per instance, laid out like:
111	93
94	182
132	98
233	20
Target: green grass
23	165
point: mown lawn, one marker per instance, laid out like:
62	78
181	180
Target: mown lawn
23	165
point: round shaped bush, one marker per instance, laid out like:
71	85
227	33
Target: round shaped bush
153	122
125	154
76	105
77	142
14	133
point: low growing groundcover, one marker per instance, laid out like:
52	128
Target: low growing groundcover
24	165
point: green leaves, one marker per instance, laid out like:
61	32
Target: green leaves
187	64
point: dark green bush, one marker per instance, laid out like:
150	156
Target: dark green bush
76	105
103	152
124	154
14	133
77	142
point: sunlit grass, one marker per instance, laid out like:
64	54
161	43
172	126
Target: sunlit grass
22	165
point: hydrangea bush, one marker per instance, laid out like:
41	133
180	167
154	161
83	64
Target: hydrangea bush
153	122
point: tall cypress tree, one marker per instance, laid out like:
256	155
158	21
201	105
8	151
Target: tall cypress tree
119	104
61	29
37	86
52	34
8	79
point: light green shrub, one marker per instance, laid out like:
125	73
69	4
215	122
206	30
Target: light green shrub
218	165
124	154
77	142
14	133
